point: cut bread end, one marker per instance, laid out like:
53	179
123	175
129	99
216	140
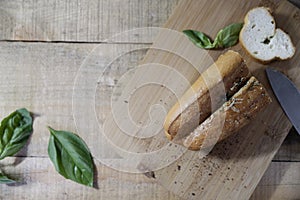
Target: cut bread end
262	40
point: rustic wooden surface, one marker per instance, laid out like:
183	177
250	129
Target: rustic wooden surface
40	76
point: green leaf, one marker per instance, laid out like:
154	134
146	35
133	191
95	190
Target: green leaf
228	36
14	132
71	157
5	180
199	39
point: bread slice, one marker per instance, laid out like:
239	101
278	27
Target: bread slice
196	104
230	117
262	40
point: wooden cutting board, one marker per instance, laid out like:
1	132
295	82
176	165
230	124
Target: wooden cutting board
142	98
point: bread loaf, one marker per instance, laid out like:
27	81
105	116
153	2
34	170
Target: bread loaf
195	105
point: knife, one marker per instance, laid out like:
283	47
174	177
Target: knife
287	94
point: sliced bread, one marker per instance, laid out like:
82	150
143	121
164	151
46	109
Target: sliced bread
234	114
228	73
262	40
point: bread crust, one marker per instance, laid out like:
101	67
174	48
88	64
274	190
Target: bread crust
195	105
235	113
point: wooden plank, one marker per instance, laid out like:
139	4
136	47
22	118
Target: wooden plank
85	21
290	148
41	77
278	192
38	179
89	21
281	181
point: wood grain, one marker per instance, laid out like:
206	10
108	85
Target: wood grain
290	148
51	69
39	179
84	21
41	77
281	181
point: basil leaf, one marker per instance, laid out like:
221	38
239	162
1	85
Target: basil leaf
71	157
228	36
5	180
199	39
14	132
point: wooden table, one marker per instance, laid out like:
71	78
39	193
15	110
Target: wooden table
46	37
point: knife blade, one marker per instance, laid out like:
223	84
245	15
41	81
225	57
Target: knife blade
287	94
